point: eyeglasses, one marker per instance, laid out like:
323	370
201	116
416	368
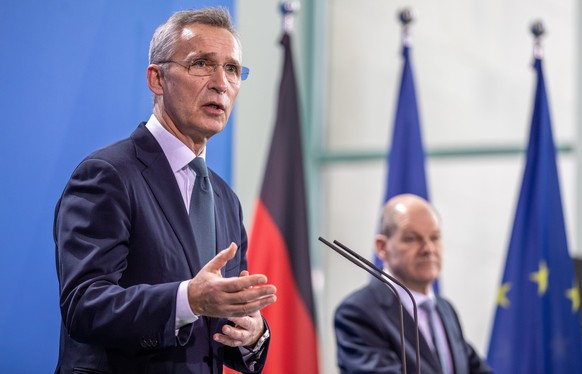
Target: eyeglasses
203	68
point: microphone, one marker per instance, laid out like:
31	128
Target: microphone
362	265
368	266
414	306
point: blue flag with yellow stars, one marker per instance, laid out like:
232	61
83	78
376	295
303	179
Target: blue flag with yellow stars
536	327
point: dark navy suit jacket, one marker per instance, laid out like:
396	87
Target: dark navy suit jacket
367	328
123	245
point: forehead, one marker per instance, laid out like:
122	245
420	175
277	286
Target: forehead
418	218
198	39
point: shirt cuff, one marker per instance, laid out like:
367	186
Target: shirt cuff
184	314
252	354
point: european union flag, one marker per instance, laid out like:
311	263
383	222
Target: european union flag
406	157
536	327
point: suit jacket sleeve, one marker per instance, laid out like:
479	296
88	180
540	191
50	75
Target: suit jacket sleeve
362	341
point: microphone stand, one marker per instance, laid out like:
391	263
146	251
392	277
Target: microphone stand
376	275
414	306
353	256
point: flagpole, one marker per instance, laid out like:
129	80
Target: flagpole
288	10
577	250
406	17
538	30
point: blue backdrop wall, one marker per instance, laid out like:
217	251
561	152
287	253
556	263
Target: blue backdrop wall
73	80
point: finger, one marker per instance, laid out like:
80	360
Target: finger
244	273
241	283
234	336
246	298
221	258
248	295
253	322
242	322
242	331
242	310
230	341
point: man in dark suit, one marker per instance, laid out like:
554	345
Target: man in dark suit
137	293
367	322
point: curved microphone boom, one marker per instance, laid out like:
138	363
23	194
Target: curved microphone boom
414	307
376	269
345	253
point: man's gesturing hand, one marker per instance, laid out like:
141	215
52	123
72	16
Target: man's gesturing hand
242	331
209	294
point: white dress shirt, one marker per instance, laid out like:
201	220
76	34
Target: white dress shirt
423	323
179	156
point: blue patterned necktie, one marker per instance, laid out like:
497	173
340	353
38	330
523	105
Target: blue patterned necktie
202	212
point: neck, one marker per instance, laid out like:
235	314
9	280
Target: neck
196	144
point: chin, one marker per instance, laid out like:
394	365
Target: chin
429	276
216	128
211	130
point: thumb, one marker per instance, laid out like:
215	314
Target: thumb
221	258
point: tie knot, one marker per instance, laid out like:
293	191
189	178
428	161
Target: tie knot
199	167
427	305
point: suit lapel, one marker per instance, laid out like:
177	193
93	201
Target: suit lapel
159	176
453	334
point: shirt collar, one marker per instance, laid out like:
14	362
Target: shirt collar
177	153
419	298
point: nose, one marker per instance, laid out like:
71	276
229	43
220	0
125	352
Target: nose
429	246
218	81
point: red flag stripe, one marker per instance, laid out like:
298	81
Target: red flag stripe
293	347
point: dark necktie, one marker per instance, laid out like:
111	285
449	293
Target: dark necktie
202	212
439	341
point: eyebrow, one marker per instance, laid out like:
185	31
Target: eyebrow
415	232
211	56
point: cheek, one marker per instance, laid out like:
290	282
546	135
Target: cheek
232	98
439	258
402	259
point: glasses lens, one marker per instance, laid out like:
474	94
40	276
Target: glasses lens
244	74
206	69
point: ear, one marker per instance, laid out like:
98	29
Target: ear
154	78
381	242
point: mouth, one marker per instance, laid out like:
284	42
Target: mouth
428	262
215	106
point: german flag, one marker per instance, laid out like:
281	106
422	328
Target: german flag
279	241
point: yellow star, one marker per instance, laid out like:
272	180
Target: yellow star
502	299
574	295
541	278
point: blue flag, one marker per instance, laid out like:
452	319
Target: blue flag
406	157
536	327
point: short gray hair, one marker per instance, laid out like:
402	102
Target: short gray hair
166	36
